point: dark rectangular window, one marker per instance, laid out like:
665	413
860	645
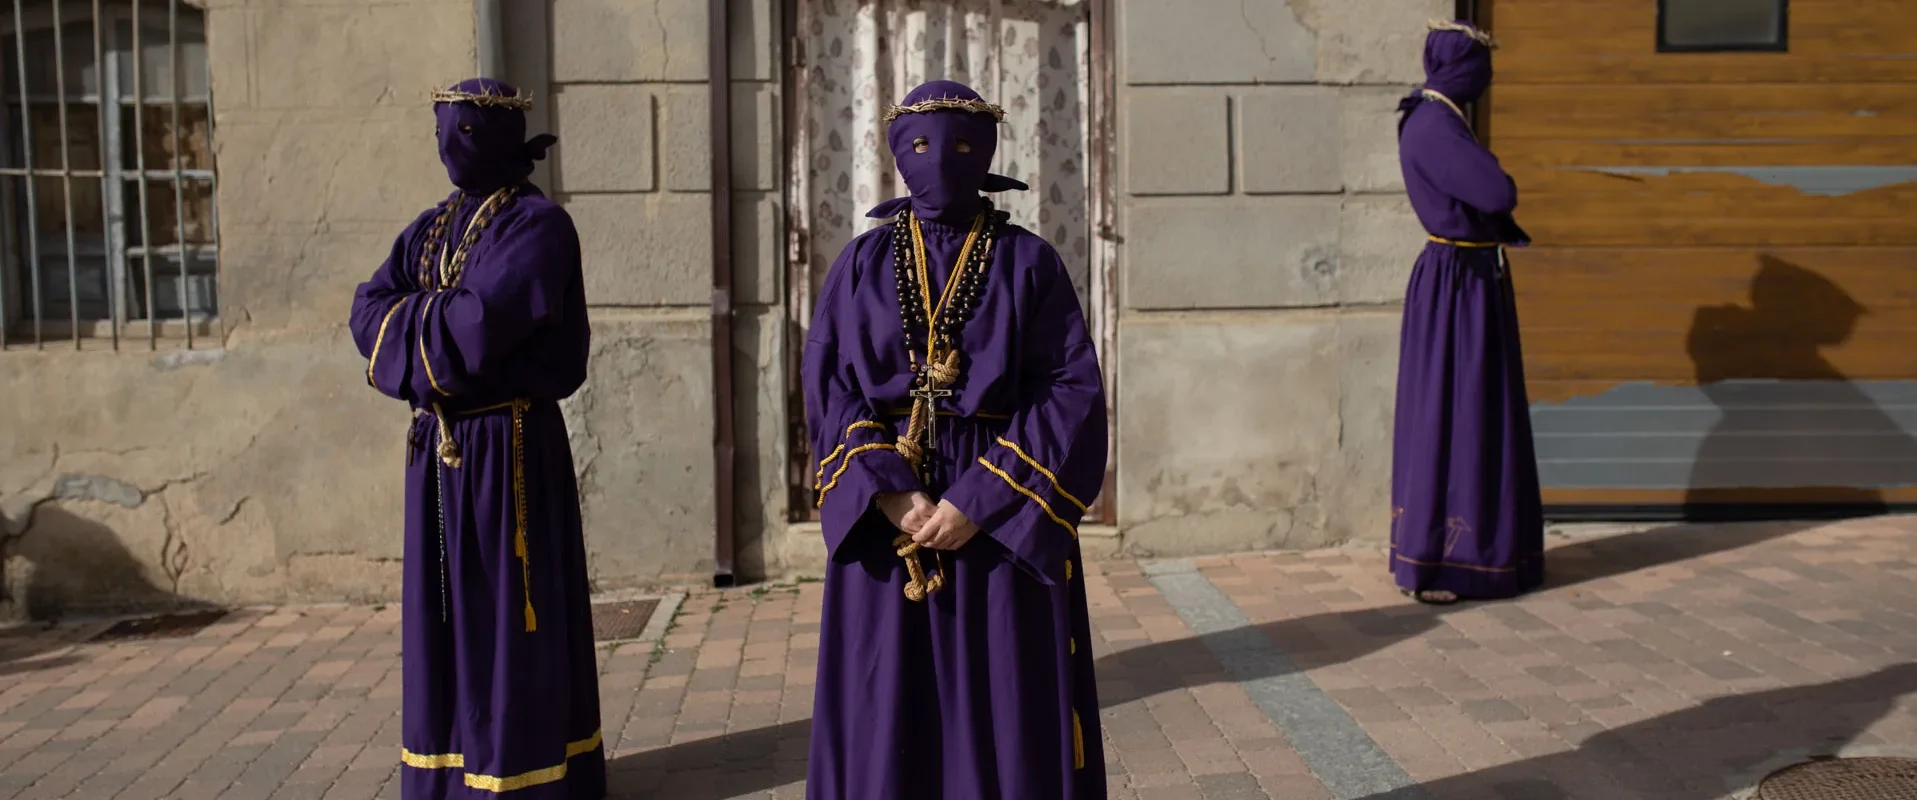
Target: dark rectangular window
1717	26
107	225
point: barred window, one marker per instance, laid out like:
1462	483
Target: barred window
106	193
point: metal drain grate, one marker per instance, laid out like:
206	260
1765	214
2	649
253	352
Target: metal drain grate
164	626
617	622
1871	778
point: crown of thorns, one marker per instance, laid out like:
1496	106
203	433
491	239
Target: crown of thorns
1476	35
486	99
971	105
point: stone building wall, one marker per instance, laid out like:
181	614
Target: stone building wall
1266	247
257	466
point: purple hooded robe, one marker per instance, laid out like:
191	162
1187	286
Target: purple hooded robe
1466	513
500	682
984	688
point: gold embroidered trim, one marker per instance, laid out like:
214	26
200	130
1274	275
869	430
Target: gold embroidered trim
1029	461
1078	742
519	511
509	783
946	104
1030	495
486	99
819	479
1455	565
424	309
1451	25
847	464
373	361
440	761
1068	570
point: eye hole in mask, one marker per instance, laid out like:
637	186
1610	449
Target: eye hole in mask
963	146
921	145
465	129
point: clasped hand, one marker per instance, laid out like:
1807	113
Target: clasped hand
939	526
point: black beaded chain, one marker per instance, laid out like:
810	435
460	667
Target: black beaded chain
965	300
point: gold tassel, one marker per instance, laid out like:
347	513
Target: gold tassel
1078	742
448	449
519	511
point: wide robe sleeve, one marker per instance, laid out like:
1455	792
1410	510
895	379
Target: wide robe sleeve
1453	160
383	308
458	337
1030	489
857	459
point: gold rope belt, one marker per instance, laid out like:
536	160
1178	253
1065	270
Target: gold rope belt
1460	243
448	452
984	415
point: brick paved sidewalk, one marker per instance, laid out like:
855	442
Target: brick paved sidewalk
1677	664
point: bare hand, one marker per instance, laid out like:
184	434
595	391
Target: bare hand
948	529
907	511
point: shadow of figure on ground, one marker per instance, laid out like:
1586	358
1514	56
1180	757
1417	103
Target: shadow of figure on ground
760	759
1791	427
1327	639
1700	753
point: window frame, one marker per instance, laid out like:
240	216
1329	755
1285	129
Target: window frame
121	184
1780	45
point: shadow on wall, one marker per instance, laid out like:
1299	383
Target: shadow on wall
1787	416
57	563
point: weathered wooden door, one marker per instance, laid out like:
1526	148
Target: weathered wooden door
853	58
1719	309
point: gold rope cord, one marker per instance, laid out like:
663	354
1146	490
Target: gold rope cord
940	370
450	271
1432	94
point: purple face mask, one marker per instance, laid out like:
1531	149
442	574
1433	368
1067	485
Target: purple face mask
1456	65
945	155
484	147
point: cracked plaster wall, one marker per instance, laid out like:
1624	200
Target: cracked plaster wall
257	467
1266	243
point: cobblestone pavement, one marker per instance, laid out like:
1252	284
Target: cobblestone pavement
1676	664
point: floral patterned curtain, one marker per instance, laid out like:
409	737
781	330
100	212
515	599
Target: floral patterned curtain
1030	56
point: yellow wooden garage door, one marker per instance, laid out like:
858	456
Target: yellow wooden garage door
1721	304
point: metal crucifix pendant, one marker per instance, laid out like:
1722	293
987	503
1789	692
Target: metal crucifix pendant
930	394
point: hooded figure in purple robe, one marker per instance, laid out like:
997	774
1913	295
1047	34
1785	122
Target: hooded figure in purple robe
1467	520
958	414
477	321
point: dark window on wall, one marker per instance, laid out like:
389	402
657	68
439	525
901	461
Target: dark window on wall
107	225
1720	26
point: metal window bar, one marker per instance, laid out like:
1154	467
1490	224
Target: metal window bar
179	165
139	164
100	84
66	168
114	247
26	157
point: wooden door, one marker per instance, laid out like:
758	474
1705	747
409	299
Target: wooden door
1720	309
